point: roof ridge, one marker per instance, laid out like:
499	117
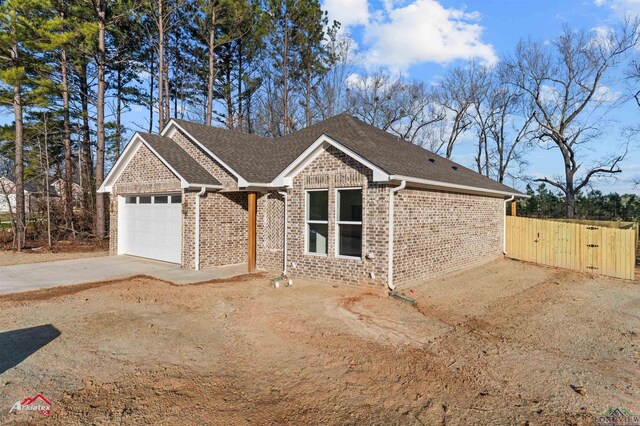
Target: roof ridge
222	129
356	126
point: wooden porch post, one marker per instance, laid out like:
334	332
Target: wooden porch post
251	243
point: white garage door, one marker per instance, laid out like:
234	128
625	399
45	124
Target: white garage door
150	226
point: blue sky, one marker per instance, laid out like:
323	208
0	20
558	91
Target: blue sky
421	38
404	36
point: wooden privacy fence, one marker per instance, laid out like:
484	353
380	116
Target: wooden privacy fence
607	248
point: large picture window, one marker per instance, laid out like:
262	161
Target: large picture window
349	222
317	221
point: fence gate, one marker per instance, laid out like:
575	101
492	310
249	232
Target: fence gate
601	247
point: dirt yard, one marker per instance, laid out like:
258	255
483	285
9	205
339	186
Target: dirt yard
499	344
61	251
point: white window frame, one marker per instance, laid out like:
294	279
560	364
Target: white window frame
338	222
307	222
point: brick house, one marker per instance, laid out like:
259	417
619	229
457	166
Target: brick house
337	201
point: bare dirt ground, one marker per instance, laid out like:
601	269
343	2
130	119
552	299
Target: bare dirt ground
498	344
62	250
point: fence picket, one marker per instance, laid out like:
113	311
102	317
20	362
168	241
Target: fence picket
596	247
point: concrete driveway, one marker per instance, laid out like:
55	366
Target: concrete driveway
33	276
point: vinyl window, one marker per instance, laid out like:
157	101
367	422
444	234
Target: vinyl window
349	222
317	221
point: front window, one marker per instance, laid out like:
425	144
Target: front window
349	206
317	221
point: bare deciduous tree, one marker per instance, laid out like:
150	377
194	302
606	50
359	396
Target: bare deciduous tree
564	84
502	121
454	96
405	109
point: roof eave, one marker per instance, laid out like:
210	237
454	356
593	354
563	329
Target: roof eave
454	187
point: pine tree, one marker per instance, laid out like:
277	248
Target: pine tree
22	80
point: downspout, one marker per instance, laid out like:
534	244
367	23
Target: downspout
504	224
392	194
284	253
197	227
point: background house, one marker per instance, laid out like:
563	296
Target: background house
34	194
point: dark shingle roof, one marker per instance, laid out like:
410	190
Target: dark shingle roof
260	159
256	158
400	157
183	163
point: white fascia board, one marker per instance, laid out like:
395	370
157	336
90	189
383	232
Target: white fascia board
117	169
172	126
456	187
201	185
285	178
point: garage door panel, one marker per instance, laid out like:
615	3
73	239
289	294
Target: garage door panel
152	230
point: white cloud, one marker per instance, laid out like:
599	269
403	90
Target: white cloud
406	33
606	95
602	36
621	7
348	12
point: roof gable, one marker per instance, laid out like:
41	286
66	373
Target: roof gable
181	164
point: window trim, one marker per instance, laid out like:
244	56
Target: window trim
338	222
308	221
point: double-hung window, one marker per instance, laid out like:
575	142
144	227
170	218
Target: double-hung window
349	222
317	221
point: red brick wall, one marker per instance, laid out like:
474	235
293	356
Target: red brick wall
439	232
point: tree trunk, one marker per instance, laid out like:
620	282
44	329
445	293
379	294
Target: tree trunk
160	66
118	136
46	184
167	96
88	188
570	193
212	64
479	156
151	74
229	95
165	77
20	230
19	167
307	100
68	170
240	71
285	77
571	206
100	207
